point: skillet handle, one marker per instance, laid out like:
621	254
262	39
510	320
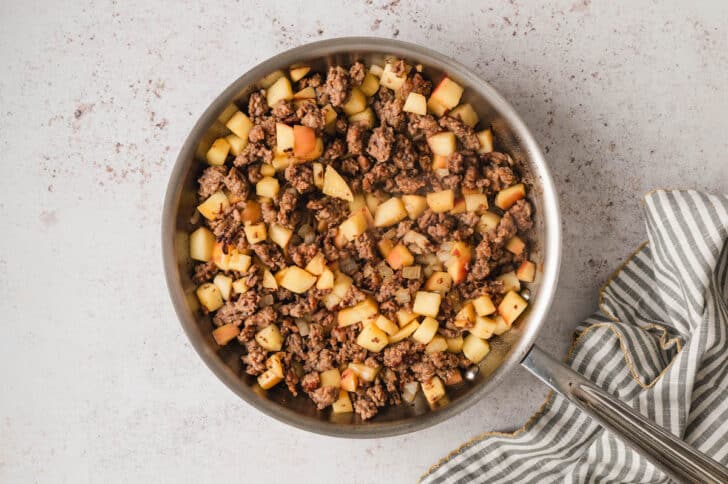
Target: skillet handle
677	459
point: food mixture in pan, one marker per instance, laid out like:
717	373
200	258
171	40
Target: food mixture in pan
359	236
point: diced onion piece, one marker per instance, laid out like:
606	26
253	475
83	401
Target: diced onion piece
412	272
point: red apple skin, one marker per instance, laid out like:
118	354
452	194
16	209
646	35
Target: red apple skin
304	140
459	263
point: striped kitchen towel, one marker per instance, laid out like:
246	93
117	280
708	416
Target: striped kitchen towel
659	342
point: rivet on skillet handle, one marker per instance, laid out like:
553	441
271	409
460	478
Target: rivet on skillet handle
677	459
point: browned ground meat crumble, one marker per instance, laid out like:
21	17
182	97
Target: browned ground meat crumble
390	158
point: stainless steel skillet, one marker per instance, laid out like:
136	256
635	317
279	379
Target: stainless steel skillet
514	348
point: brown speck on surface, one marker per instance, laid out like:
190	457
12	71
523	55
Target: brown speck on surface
82	109
581	6
51	188
48	218
375	24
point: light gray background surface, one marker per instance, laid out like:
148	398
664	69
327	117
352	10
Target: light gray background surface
97	380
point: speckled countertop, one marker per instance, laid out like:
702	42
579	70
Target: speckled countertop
97	381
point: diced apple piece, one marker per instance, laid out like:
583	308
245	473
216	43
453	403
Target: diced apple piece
476	202
330	378
284	138
280	235
409	391
475	349
442	143
416	103
433	389
370	84
343	403
238	261
483	327
427	303
447	93
209	296
224	284
515	245
336	186
280	162
436	345
442	201
317	265
372	202
240	124
295	279
330	116
305	93
356	103
372	338
453	377
318	175
426	331
466	114
219	257
252	212
457	265
439	282
331	300
269	280
485	138
256	233
511	307
488	222
526	272
268	379
267	187
240	286
214	206
458	206
298	72
365	118
325	279
237	144
218	152
500	325
357	203
349	380
376	70
505	198
271	78
404	317
279	91
359	312
342	283
275	364
466	316
270	338
454	345
225	333
390	212
354	226
510	281
415	205
400	257
385	324
439	162
304	141
385	247
390	79
202	242
483	305
364	372
404	333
